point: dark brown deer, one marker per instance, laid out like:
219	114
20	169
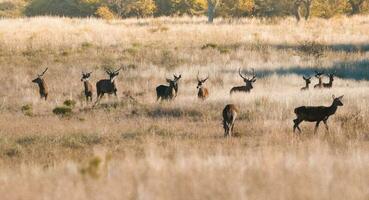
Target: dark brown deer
229	117
319	75
168	93
40	81
307	82
330	83
316	114
203	91
87	85
107	85
248	81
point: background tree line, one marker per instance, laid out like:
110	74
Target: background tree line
212	8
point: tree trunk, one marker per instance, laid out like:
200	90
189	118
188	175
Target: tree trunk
212	4
356	6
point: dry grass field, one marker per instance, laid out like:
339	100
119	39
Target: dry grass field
133	147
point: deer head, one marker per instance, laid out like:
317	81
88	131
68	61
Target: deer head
174	83
85	76
337	101
318	74
307	79
113	74
200	82
247	80
331	76
40	77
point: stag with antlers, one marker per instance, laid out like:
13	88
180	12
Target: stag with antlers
331	79
319	75
87	85
307	82
164	92
40	81
107	85
203	92
316	114
248	81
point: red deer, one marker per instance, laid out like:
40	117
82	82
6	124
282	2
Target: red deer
330	83
248	81
316	114
40	81
87	85
307	82
229	117
107	85
164	92
318	75
203	91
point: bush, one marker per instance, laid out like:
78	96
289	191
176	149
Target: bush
27	110
132	8
71	8
70	103
12	8
104	13
62	111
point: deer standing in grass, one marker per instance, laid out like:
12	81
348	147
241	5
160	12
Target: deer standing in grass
107	85
307	82
203	91
168	93
229	117
40	81
330	83
248	81
319	75
87	85
316	114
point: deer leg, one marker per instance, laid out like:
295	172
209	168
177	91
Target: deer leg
296	125
326	125
316	127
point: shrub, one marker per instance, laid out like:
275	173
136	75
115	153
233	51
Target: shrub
27	110
70	103
104	13
62	111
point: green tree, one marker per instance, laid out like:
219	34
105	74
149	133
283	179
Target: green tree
132	8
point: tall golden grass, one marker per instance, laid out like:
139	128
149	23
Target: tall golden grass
133	147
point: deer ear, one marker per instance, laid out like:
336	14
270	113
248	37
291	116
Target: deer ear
333	97
168	80
340	97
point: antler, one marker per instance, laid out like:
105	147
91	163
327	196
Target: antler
205	79
43	73
198	79
253	74
239	72
118	70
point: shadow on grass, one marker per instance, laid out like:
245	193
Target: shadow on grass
356	70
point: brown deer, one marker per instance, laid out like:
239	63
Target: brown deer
107	85
40	81
164	92
316	114
229	117
203	91
319	75
248	81
330	83
307	82
87	85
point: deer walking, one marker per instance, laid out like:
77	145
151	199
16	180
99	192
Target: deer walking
164	92
330	83
316	114
107	85
229	117
307	82
248	81
40	81
319	75
87	85
203	92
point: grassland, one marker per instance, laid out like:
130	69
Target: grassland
132	147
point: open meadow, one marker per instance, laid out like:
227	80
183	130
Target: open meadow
133	147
